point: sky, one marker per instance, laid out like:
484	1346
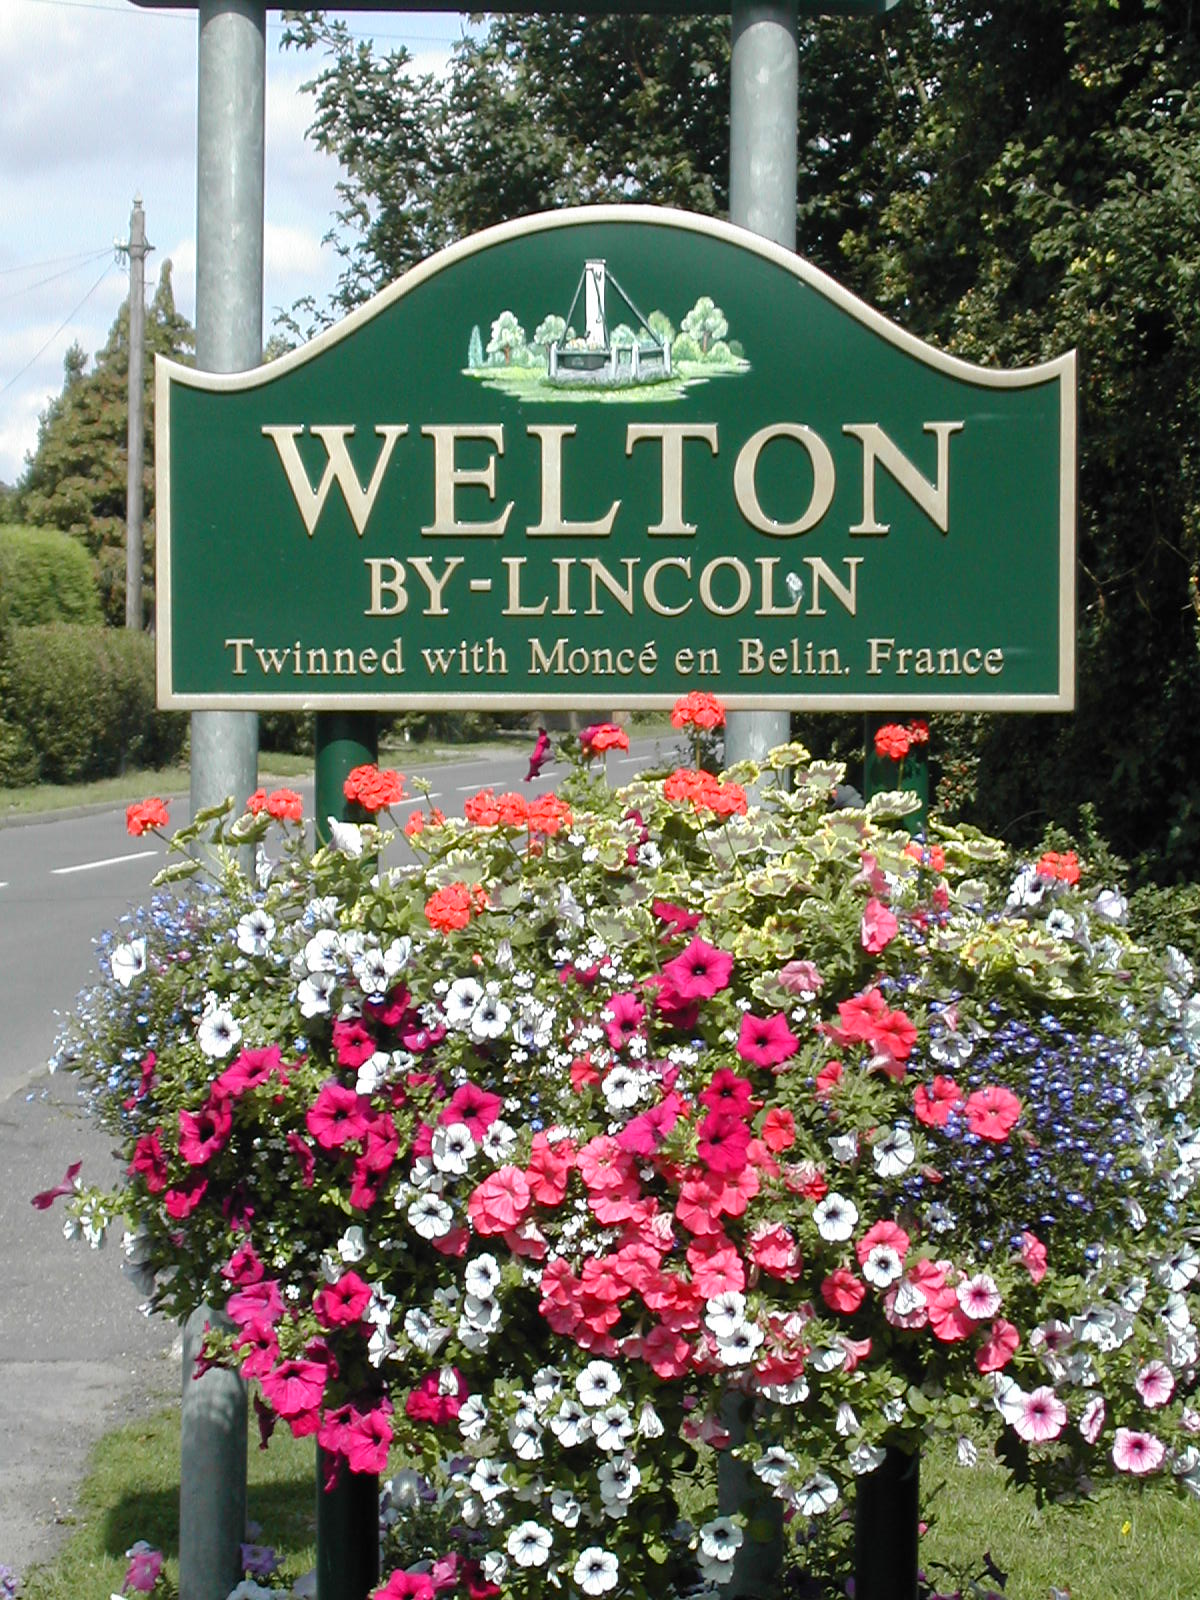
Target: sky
98	105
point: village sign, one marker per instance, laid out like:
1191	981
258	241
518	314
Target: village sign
605	456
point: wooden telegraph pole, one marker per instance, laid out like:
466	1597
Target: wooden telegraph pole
137	250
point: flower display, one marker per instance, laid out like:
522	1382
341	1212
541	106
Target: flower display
511	1151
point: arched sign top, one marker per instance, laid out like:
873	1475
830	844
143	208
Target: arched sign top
805	8
605	455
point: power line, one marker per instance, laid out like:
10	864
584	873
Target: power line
54	276
70	315
53	261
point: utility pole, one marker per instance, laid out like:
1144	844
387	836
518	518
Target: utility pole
137	250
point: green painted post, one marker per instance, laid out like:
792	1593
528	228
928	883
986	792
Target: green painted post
347	1513
881	774
886	1529
344	740
347	1533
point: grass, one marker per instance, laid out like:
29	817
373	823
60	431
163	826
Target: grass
132	1492
1132	1543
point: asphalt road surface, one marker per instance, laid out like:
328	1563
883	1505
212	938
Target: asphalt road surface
76	1355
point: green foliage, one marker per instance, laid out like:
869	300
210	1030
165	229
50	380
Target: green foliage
45	576
661	327
85	699
291	732
705	323
507	340
76	478
18	758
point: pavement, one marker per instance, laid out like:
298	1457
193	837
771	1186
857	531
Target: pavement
77	1357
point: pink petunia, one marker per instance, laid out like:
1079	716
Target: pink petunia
882	1233
337	1115
340	1304
180	1203
500	1201
549	1169
1155	1384
304	1156
260	1301
729	1092
250	1069
1033	1254
295	1388
624	1015
367	1438
476	1108
699	972
1091	1423
778	1129
409	1585
992	1113
716	1265
766	1041
998	1348
979	1297
203	1133
1135	1452
773	1250
879	927
842	1291
933	1102
438	1398
150	1161
145	1564
47	1197
1041	1417
722	1142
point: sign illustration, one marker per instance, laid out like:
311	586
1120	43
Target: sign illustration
605	456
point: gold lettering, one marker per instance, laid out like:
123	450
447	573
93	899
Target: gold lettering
745	490
933	498
551	523
310	502
672	436
447	477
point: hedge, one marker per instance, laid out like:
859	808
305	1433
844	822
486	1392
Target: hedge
85	698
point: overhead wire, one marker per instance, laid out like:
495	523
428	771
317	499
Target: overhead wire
74	312
66	272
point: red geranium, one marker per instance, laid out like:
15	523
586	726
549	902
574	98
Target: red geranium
373	788
697	710
146	814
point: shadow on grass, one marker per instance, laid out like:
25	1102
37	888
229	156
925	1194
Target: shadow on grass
285	1510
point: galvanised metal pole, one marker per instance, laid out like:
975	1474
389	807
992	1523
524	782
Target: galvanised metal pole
231	99
135	435
232	82
762	197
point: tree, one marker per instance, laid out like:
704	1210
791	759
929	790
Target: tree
1004	181
76	477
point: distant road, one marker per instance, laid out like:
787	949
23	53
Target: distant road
64	880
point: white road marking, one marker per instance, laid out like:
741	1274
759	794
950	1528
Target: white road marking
108	861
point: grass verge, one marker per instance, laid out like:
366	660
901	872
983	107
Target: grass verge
1138	1541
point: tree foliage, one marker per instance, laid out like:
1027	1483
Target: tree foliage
76	477
1006	182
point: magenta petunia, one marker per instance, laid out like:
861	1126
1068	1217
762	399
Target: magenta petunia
337	1115
766	1041
699	972
203	1133
624	1015
295	1387
367	1438
722	1142
476	1108
339	1304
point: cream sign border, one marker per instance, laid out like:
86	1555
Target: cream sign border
1061	370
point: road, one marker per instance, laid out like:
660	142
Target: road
76	1357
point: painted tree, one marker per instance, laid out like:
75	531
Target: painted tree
705	323
508	337
75	478
549	330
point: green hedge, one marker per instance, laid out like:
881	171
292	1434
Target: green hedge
84	697
45	576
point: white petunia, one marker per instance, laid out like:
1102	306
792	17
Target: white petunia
740	1345
843	1147
463	995
725	1312
499	1141
473	1417
894	1153
481	1275
564	1507
313	994
721	1539
128	961
618	1479
598	1384
352	1246
570	1424
774	1465
836	1217
846	1421
488	1479
526	1441
218	1032
322	953
345	837
489	1019
612	1428
430	1216
865	1458
967	1451
529	1544
817	1494
621	1088
482	1312
255	931
452	1148
596	1570
883	1267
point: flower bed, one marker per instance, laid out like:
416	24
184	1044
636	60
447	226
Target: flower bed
517	1160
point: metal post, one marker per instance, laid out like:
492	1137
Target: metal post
229	290
886	1529
762	197
231	98
212	1473
758	1565
135	437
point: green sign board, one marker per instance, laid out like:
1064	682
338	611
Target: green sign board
605	456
